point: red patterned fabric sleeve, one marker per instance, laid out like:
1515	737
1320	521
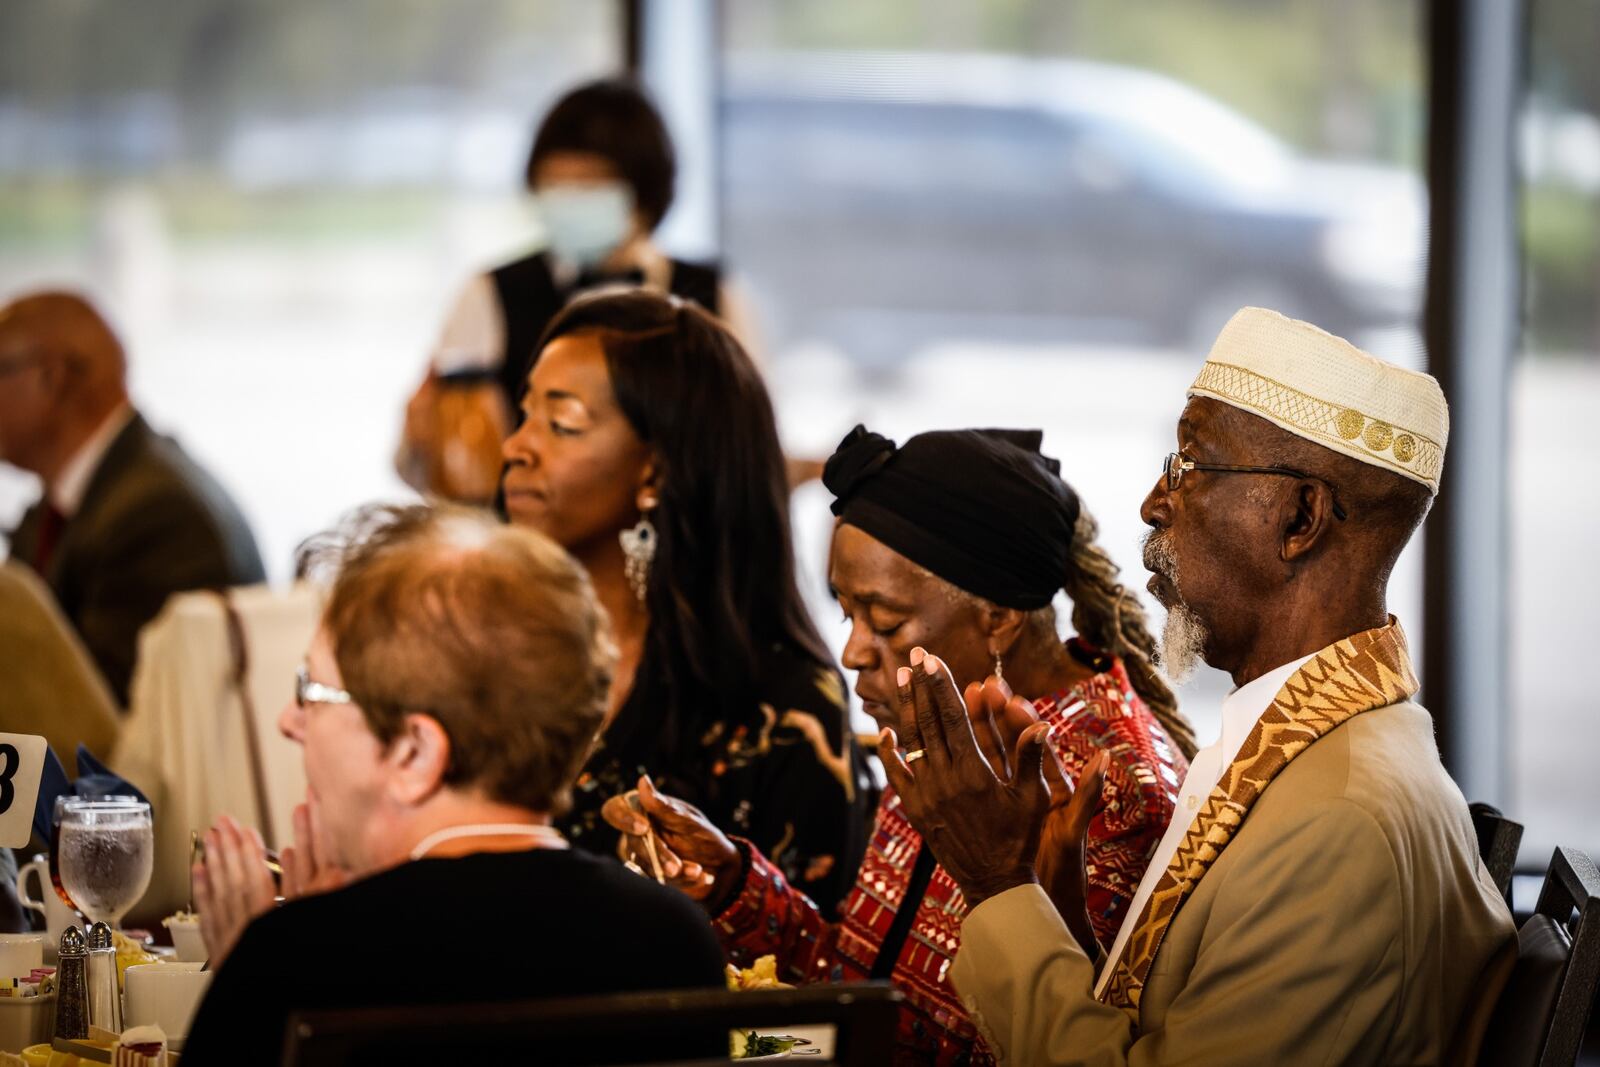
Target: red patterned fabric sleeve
1141	786
770	916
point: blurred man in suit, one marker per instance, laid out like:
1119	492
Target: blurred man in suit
127	518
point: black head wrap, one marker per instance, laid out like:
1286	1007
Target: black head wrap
982	509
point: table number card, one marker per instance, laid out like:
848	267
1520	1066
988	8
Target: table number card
21	766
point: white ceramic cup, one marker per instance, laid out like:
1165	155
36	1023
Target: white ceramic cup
57	916
20	954
187	939
165	995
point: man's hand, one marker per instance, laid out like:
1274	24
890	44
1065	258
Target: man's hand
982	824
1061	863
692	853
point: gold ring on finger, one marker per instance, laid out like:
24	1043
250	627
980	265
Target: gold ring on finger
914	755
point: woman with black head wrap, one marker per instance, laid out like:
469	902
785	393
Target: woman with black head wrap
958	540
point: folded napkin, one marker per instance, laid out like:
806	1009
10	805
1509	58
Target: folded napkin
95	780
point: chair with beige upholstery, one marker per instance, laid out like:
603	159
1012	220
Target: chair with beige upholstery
201	738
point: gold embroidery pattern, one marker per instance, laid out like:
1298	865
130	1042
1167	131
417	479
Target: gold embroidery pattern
1366	671
1339	426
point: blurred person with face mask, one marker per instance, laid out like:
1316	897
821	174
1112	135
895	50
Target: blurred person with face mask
602	172
127	517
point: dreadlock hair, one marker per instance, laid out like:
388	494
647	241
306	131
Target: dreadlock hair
1105	614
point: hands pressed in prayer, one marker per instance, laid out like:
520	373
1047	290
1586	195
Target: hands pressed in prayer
983	806
999	719
233	884
307	867
693	854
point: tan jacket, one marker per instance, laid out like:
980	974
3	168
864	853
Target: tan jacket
1349	921
47	683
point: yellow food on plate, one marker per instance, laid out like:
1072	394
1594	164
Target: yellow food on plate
129	954
763	974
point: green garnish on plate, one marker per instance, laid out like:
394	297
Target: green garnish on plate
755	1044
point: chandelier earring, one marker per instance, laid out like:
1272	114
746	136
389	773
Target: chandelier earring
999	667
639	553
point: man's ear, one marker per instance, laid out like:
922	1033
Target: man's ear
57	378
418	760
1305	520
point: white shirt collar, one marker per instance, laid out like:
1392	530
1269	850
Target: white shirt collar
1242	707
67	492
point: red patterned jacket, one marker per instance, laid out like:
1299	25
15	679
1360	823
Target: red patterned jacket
770	916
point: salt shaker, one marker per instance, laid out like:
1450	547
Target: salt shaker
105	1006
72	985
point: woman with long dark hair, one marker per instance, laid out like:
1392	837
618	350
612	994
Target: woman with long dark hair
649	450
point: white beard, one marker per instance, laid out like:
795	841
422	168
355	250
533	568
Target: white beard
1183	642
1183	635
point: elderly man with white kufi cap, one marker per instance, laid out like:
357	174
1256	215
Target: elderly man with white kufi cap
1319	893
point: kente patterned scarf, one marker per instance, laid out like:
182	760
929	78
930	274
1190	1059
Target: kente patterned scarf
1366	671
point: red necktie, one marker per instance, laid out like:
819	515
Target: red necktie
51	522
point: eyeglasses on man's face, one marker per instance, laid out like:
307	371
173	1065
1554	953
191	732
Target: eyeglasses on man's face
1177	466
307	692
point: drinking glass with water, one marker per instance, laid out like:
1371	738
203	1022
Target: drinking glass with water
106	854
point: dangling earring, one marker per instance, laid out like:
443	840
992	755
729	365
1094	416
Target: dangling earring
639	548
999	667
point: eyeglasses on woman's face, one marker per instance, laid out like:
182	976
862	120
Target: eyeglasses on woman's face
307	692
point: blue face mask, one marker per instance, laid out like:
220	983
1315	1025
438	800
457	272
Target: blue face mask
585	223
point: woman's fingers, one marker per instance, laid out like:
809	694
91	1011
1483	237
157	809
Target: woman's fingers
990	742
906	710
296	859
679	822
620	815
213	925
901	779
262	891
1014	714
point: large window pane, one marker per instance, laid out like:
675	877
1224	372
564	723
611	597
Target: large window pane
1555	392
277	200
1040	213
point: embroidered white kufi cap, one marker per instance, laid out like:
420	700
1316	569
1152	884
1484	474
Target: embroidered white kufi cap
1326	390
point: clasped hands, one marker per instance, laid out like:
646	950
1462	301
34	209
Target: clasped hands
233	884
987	792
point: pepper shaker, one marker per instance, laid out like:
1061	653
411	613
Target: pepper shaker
72	985
105	1005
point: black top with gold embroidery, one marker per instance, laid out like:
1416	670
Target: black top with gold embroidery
788	777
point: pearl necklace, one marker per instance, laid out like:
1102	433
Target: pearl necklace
543	836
